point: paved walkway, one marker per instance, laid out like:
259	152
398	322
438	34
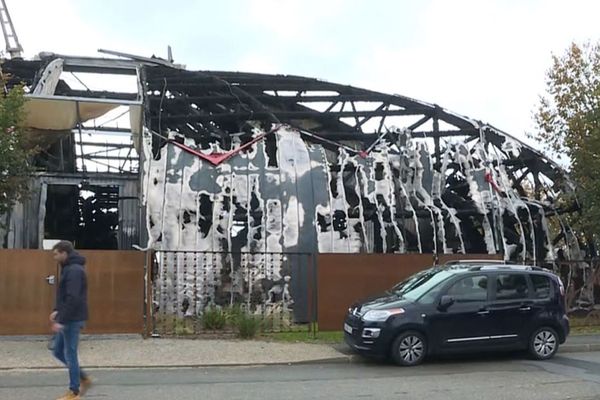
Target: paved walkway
135	352
131	351
577	343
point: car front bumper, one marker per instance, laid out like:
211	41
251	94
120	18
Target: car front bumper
368	345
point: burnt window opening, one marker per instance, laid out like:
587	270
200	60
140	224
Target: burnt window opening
377	239
226	201
474	233
379	171
358	228
333	183
452	235
392	239
188	217
271	151
205	218
254	201
426	230
352	198
409	232
323	222
386	215
369	209
256	213
86	215
340	223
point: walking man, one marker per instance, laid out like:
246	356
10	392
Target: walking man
69	316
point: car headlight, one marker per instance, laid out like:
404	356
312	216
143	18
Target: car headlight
381	315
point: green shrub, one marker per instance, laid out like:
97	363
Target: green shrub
233	313
248	326
214	319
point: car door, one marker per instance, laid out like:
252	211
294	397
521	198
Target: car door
464	323
510	308
544	304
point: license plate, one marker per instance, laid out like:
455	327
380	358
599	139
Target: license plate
348	328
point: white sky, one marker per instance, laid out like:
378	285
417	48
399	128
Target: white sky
483	59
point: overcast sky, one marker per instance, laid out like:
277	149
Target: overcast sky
483	59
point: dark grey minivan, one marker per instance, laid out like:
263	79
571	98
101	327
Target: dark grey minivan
463	307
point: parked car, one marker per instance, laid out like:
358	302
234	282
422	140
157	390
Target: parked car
463	307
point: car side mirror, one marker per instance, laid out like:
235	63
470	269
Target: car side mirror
445	302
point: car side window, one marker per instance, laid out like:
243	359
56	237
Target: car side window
511	287
541	286
468	289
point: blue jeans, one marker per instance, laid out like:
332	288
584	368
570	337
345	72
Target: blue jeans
65	350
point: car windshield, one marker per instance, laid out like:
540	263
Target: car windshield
417	285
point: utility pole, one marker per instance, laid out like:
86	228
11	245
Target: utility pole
13	47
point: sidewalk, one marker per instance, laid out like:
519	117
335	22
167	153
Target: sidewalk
131	351
580	343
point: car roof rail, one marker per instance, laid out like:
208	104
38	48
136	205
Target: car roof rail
490	265
502	267
509	267
472	261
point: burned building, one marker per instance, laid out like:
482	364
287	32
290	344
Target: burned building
233	161
244	165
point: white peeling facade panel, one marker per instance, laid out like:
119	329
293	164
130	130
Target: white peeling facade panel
290	196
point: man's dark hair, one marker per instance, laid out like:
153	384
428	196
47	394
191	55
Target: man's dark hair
64	246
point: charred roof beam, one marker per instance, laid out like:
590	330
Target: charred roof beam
423	134
288	114
97	94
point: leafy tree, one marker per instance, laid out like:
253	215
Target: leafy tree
568	122
14	152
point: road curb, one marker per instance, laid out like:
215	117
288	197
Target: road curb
579	348
333	360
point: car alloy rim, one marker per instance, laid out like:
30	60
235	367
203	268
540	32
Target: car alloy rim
411	349
544	343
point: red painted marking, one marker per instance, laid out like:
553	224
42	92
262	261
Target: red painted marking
218	158
489	179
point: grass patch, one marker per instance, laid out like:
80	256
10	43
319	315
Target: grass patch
586	330
584	326
184	327
334	337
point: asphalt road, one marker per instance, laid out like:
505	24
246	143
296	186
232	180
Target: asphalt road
567	376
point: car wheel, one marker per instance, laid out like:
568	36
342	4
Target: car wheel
543	343
409	348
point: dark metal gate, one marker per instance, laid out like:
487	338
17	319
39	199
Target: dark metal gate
187	287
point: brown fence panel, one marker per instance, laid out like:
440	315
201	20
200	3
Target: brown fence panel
444	258
115	291
345	278
26	298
